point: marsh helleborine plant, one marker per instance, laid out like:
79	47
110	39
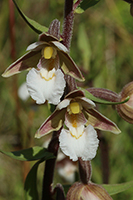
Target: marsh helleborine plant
51	77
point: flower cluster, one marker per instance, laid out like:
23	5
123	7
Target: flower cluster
48	61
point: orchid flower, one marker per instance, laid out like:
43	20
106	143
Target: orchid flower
88	191
47	81
78	138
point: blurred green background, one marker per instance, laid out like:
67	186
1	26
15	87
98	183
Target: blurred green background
102	46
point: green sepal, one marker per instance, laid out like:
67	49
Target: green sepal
85	4
90	96
35	26
30	186
30	154
117	188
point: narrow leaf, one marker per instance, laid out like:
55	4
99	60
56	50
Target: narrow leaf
30	154
85	4
30	186
33	24
101	101
117	188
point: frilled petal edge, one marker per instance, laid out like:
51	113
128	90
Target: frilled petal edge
41	90
84	147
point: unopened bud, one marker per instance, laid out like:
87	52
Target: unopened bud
125	110
90	191
105	94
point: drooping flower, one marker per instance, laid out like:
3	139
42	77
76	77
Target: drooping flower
76	112
91	191
45	81
66	168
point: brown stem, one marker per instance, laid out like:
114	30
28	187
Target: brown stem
70	84
49	167
68	23
67	36
54	144
104	158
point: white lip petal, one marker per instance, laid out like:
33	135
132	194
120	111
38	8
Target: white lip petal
58	88
41	90
84	147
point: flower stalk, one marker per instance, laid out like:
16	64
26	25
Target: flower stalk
47	190
84	171
68	23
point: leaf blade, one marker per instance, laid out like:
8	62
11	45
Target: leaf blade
30	154
85	4
35	26
117	188
30	186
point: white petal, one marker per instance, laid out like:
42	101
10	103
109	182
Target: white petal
87	102
63	104
58	88
41	90
84	147
35	46
67	171
23	92
77	132
60	46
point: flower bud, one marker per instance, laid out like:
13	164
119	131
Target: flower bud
105	94
91	191
125	110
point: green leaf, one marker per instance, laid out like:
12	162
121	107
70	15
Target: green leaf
30	154
117	188
88	95
33	24
30	185
85	4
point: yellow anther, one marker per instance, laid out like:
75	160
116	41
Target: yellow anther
75	108
48	52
